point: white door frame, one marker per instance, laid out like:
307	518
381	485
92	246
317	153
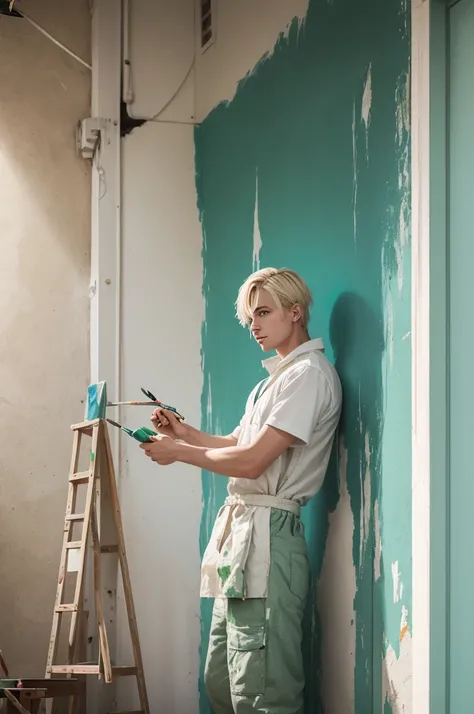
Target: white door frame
429	358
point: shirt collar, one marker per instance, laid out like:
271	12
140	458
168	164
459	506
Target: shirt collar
272	363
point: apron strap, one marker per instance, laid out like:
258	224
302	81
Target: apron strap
260	389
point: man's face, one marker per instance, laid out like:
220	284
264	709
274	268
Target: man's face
270	326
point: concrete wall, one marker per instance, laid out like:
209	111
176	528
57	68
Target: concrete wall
44	310
302	159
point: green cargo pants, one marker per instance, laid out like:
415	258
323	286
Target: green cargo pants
254	662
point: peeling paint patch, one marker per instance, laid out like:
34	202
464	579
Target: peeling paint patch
403	624
367	107
397	584
388	313
257	238
337	589
209	402
378	542
402	102
365	498
354	170
397	679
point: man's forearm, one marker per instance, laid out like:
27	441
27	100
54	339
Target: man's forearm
231	461
195	437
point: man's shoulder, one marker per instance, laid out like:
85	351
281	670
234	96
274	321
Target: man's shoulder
315	363
318	380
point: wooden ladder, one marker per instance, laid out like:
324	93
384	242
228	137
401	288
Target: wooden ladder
99	479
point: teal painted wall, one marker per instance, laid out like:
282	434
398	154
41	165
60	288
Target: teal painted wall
333	204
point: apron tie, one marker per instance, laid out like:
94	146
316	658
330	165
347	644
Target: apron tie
257	499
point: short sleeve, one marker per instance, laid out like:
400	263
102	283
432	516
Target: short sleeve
238	429
248	406
302	402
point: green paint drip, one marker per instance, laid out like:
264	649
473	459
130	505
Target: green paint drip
92	456
333	198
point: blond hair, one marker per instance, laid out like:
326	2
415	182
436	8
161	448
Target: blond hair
285	286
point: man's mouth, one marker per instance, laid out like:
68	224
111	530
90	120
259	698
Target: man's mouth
260	339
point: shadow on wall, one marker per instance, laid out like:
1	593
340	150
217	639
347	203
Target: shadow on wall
347	600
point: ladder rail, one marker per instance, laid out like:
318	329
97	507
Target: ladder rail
101	472
127	587
70	505
85	534
103	640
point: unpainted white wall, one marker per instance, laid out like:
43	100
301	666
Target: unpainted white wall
44	310
162	311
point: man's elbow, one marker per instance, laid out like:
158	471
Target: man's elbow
253	467
252	474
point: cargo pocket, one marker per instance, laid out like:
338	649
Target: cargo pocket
299	575
246	660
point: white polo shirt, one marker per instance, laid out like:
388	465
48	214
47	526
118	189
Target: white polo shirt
303	397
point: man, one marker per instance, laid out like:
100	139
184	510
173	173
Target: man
256	565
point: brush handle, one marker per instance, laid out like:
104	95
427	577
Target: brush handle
147	404
130	404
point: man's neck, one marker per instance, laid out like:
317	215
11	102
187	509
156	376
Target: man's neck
291	344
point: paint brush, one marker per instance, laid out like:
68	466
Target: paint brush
143	435
147	404
153	401
132	404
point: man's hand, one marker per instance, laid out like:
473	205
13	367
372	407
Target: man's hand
247	462
166	423
162	450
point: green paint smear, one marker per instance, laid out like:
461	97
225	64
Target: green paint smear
224	572
332	200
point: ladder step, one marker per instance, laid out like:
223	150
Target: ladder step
80	477
90	668
74	545
109	548
74	669
66	608
135	711
86	427
76	517
124	671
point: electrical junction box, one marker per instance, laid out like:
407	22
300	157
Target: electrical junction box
88	137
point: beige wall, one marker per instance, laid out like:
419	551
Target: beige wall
44	309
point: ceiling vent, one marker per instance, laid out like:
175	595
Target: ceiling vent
207	23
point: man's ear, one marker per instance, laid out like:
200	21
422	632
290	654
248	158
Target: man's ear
296	312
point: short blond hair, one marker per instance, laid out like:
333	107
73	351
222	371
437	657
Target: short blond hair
285	286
